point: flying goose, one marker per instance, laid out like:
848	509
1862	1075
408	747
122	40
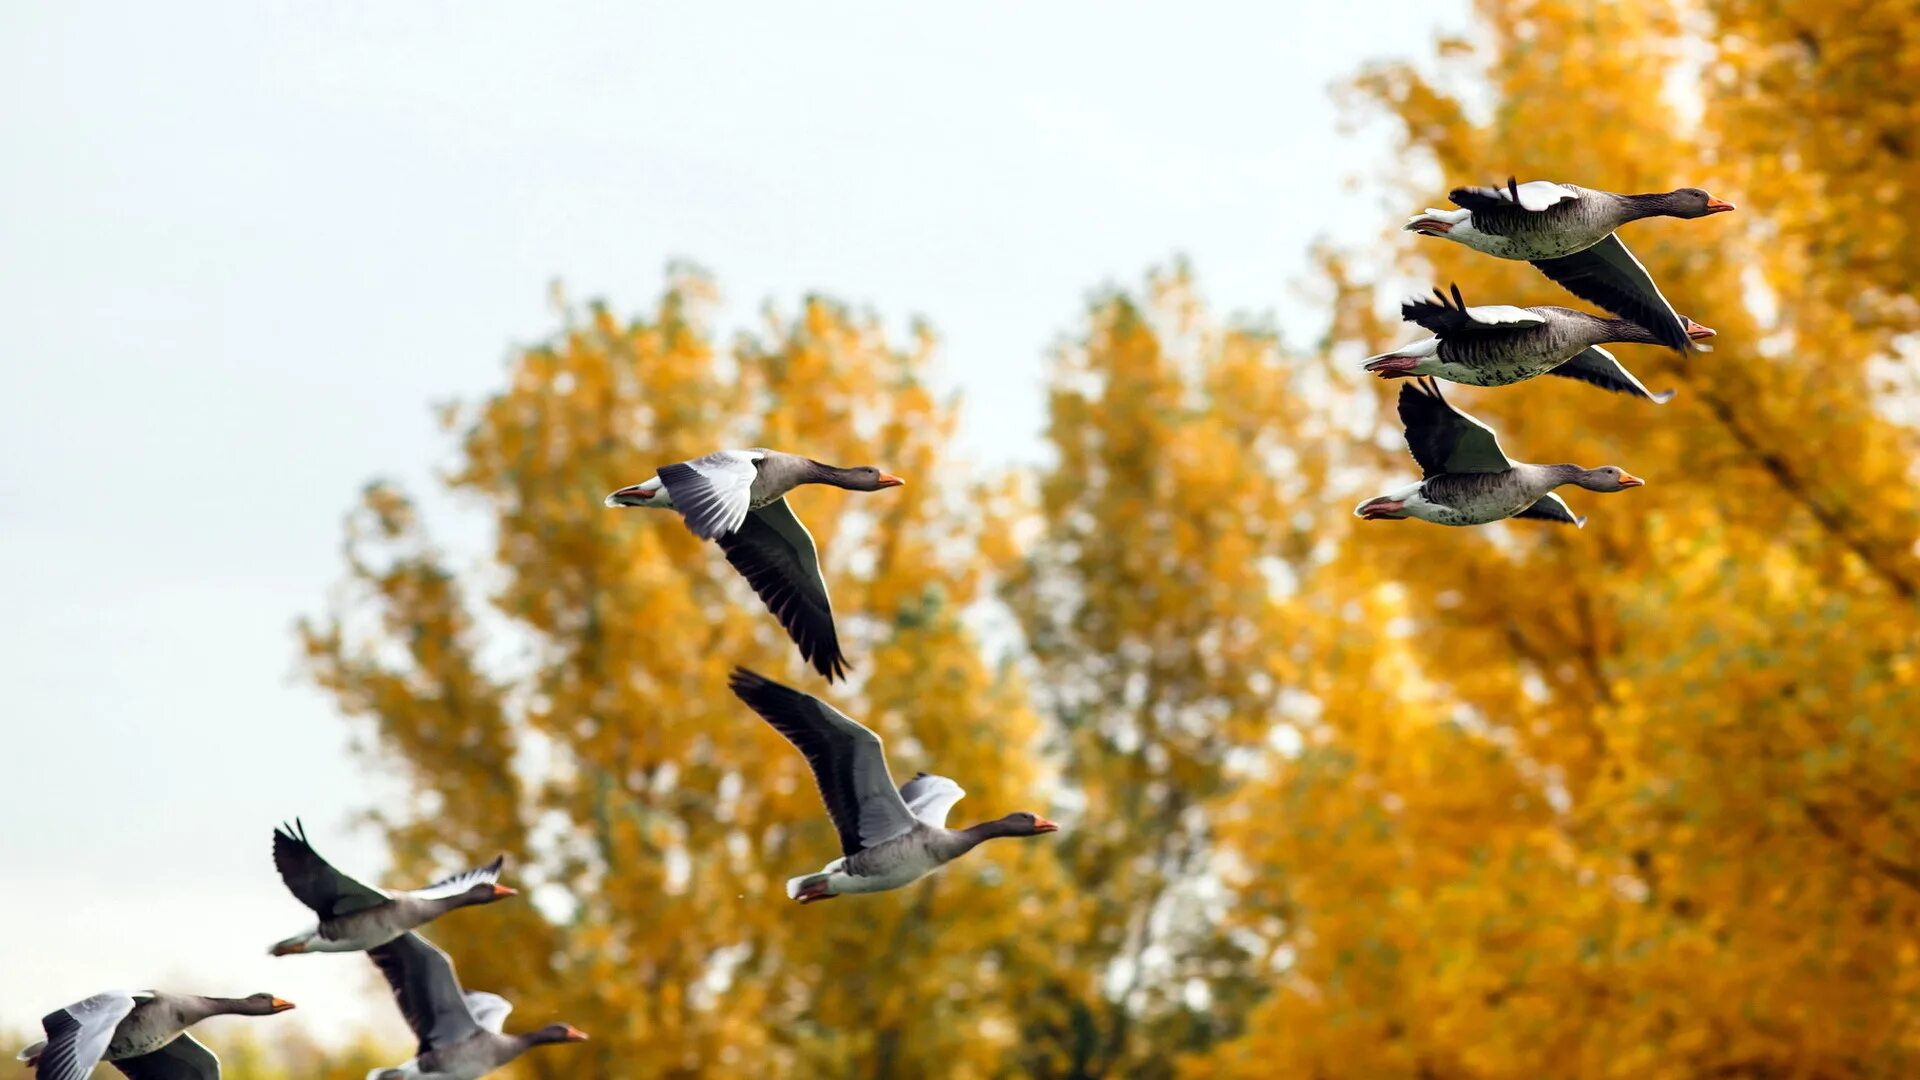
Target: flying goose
888	837
144	1034
1501	344
459	1030
1467	480
1568	233
356	917
737	498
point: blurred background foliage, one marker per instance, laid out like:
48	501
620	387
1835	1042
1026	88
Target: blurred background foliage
1342	800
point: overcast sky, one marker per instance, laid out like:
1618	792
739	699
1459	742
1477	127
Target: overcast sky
244	246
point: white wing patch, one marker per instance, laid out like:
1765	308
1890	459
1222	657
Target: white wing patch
77	1036
714	492
1537	195
489	1010
1504	315
930	798
459	883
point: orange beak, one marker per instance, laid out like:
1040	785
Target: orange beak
501	892
574	1034
1041	825
890	480
1718	206
281	1005
1697	332
1628	480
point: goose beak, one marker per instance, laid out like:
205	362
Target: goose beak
1042	825
630	496
574	1034
1697	332
1628	480
281	1005
501	892
886	480
1718	206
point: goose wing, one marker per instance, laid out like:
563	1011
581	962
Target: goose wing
1551	507
775	553
181	1059
426	989
1597	366
456	884
313	880
78	1035
1442	438
930	798
1449	315
1499	210
489	1010
714	492
849	763
1607	274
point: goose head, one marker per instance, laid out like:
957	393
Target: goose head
556	1033
1606	478
1692	202
1025	823
862	478
261	1005
485	892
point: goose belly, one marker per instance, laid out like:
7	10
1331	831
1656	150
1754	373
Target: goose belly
142	1032
1460	362
1470	498
469	1059
889	865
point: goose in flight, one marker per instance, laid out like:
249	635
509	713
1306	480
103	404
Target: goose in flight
1567	232
1501	345
460	1031
737	499
356	917
1468	480
889	836
143	1033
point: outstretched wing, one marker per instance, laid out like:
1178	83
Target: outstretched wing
775	553
181	1059
1449	315
489	1010
849	762
426	989
461	882
1499	210
78	1035
1552	508
313	880
1607	274
713	492
930	798
1597	366
1442	438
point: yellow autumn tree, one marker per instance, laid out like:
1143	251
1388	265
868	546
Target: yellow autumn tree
1630	801
1155	602
565	702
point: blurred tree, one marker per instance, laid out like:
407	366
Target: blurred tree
566	703
1155	605
1632	801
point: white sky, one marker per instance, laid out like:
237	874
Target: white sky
244	246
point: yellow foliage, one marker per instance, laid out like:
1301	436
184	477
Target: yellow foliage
1342	800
